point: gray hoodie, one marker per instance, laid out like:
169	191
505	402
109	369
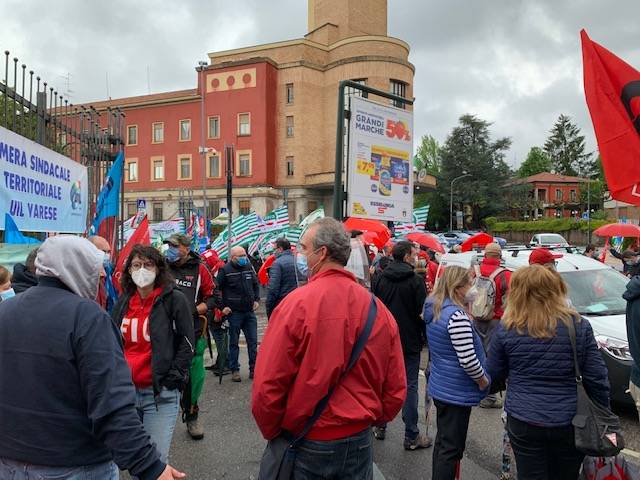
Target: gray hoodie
75	261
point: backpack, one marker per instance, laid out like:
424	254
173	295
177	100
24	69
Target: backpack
484	305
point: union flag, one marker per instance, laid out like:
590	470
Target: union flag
612	90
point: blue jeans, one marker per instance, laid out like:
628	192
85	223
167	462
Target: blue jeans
248	323
159	416
410	407
12	470
347	458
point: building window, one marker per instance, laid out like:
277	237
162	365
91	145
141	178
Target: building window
184	167
132	170
558	194
132	209
291	207
573	195
400	89
558	212
244	124
312	206
213	209
289	93
132	135
354	92
158	214
289	166
244	207
157	168
214	127
157	132
290	126
185	130
213	164
243	168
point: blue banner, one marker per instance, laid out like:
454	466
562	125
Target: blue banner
42	190
13	235
109	197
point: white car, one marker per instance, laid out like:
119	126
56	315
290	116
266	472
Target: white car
595	290
548	240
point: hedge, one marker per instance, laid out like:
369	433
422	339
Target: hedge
551	225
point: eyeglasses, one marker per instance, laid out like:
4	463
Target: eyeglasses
138	265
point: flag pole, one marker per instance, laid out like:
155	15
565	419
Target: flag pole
229	159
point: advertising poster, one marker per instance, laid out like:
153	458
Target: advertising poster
380	184
42	190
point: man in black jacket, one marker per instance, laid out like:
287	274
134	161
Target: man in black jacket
66	397
404	293
283	277
632	296
240	290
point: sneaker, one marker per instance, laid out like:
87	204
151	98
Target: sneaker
195	429
421	441
489	402
235	376
380	433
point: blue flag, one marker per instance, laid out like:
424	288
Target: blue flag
109	197
112	294
12	234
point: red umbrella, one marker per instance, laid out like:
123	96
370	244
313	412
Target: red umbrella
478	240
426	240
263	276
371	227
618	230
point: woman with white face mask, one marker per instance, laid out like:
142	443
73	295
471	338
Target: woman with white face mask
6	291
157	330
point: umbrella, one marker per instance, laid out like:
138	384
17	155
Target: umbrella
426	240
381	231
618	230
263	276
478	240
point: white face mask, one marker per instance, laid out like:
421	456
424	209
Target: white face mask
470	296
143	277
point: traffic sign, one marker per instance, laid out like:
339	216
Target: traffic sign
142	204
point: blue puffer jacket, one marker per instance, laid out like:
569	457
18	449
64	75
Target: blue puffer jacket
448	382
540	373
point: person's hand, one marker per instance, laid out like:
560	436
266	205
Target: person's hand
483	383
255	305
170	473
226	311
201	308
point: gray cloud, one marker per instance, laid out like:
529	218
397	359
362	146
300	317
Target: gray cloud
515	63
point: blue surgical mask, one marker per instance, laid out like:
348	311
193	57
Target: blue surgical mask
243	261
301	264
172	254
7	294
106	262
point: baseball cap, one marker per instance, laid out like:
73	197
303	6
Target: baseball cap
177	239
543	256
493	248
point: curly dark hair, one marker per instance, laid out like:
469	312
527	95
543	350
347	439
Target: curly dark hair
145	252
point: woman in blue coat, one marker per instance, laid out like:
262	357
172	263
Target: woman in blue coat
532	351
458	380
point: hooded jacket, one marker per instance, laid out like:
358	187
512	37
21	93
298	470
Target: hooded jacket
66	397
632	296
22	278
403	292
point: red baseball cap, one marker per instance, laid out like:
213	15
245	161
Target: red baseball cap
543	256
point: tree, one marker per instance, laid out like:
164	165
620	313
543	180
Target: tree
566	148
594	196
537	162
469	149
428	156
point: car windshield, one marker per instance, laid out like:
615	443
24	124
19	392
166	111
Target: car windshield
552	239
596	292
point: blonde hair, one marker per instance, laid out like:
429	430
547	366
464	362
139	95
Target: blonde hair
536	301
453	277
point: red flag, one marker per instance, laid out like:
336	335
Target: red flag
612	90
141	235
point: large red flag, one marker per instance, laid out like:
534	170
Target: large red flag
141	235
612	89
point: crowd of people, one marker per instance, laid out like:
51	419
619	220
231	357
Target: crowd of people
348	332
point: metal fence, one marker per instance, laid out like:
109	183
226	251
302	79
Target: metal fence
33	108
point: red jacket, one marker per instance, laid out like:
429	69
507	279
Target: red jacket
487	267
307	344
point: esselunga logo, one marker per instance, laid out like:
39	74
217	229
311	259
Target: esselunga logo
398	129
75	195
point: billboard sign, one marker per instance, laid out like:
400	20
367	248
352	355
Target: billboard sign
380	162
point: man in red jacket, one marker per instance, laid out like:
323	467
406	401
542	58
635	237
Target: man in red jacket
306	347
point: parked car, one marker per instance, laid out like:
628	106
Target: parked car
595	291
548	240
454	237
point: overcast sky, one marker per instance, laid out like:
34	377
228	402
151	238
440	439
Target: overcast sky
515	63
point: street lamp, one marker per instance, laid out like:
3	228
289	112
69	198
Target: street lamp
451	199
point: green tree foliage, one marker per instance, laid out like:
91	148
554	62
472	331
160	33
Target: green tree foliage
469	149
595	194
428	156
565	148
537	161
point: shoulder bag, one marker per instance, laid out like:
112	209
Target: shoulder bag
279	456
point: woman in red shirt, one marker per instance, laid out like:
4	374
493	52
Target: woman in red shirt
157	330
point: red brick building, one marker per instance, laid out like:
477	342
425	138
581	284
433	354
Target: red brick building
551	195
